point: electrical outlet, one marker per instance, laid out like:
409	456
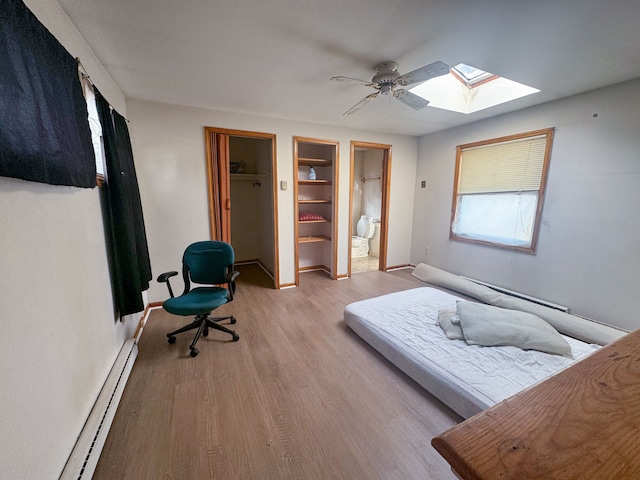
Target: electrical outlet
423	184
426	251
283	185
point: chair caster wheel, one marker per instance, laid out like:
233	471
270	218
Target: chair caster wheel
232	320
194	352
171	339
205	332
235	337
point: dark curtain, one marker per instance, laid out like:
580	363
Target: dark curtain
127	240
44	131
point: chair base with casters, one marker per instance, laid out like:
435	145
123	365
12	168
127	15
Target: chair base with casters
207	263
203	323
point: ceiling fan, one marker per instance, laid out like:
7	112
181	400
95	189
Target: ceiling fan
387	80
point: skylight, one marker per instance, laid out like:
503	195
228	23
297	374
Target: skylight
468	89
471	75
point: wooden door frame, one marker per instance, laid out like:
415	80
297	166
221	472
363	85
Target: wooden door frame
384	209
218	183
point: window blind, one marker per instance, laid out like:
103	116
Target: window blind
510	166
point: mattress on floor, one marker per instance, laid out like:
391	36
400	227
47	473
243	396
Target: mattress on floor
403	327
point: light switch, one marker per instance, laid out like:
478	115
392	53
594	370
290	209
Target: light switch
283	185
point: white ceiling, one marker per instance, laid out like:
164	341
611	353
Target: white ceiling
275	57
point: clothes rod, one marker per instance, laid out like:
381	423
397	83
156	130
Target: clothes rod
370	178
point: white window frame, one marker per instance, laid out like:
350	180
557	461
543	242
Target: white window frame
524	238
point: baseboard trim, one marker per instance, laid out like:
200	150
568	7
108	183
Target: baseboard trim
399	267
85	454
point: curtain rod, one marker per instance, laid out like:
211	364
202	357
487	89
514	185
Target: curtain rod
83	71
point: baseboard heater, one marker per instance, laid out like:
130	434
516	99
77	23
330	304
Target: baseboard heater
84	458
519	295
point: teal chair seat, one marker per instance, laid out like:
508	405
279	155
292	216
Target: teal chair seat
208	263
199	301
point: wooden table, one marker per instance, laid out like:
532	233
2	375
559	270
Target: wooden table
583	423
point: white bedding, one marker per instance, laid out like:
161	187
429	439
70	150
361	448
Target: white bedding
468	378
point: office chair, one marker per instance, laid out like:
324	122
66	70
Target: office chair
209	263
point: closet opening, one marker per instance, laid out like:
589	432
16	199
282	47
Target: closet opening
241	167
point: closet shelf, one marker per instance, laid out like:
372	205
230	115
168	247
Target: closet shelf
313	221
246	176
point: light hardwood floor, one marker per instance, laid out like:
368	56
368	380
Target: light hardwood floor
298	396
364	264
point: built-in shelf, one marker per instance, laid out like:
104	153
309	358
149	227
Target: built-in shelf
314	162
314	238
312	201
314	182
318	159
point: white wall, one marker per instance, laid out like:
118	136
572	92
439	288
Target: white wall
358	165
58	323
168	143
372	189
588	256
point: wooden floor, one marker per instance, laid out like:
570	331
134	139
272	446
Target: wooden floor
298	396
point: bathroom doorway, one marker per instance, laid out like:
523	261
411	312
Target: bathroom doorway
369	198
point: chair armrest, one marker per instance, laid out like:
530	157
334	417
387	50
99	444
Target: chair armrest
230	279
164	278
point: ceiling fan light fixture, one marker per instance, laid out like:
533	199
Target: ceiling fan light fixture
386	89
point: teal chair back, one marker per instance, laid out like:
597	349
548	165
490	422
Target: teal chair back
208	262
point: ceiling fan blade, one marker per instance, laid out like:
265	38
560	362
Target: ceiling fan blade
410	99
353	81
423	74
361	104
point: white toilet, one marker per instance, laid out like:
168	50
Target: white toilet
360	243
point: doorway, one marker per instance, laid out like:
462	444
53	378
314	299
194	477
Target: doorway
369	206
241	169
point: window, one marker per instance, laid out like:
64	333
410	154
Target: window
96	129
471	76
499	190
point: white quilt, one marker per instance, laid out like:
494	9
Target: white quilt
468	378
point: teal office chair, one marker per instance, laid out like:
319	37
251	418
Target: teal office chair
209	263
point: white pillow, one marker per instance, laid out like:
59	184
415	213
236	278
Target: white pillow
493	326
450	323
